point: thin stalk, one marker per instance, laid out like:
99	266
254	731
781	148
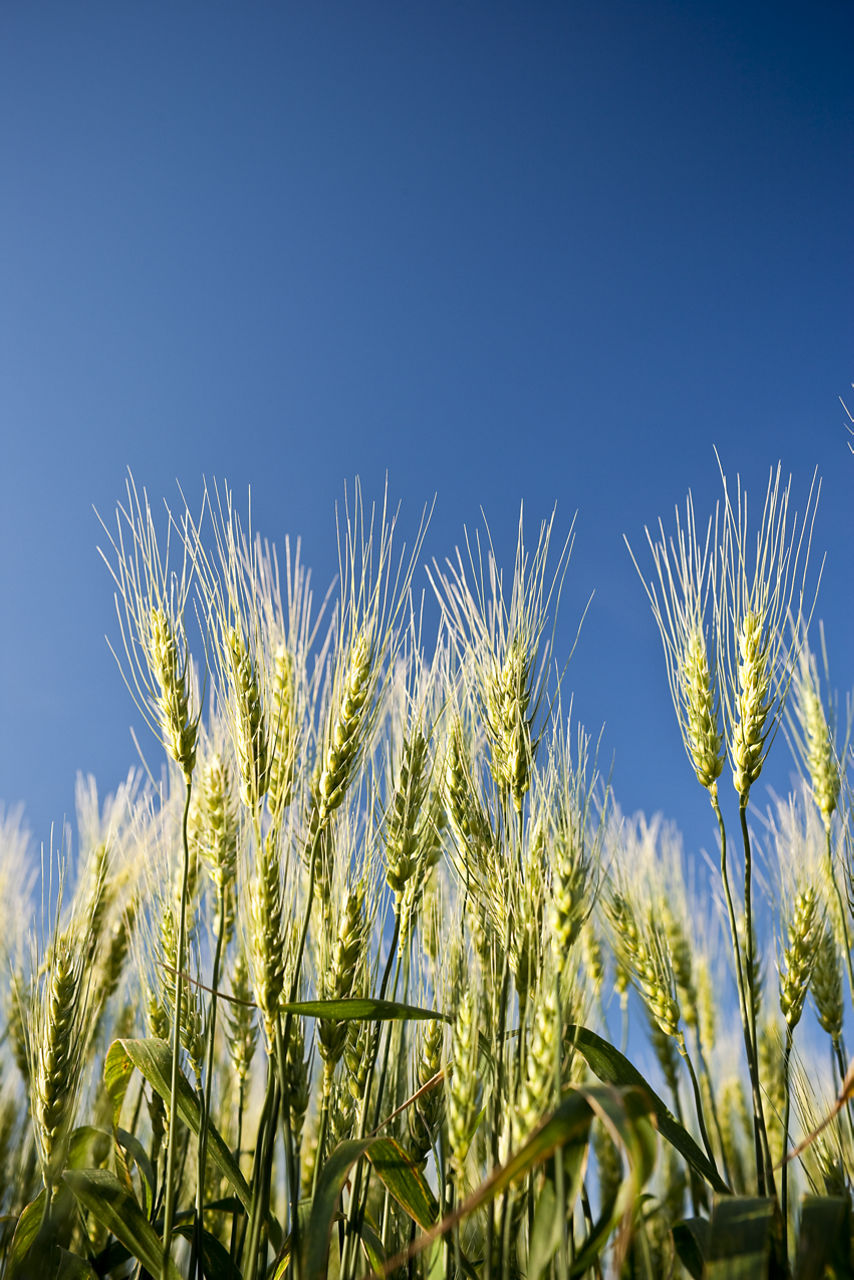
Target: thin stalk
232	1252
784	1173
169	1205
770	1188
698	1102
261	1173
205	1098
356	1208
843	911
706	1076
560	1171
495	1101
290	1159
322	1123
742	1002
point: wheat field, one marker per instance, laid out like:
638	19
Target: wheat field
369	974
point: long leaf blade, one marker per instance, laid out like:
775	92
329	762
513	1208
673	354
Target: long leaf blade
613	1068
154	1059
404	1180
101	1193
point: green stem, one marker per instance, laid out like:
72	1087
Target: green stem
742	997
698	1102
843	913
261	1173
356	1208
169	1205
205	1098
232	1252
770	1187
706	1076
784	1173
290	1156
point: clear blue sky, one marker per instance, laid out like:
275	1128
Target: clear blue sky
539	252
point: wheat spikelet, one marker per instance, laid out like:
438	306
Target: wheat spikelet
299	1083
462	1085
283	759
799	956
814	739
538	1087
402	843
266	935
425	1116
756	604
217	835
56	1041
172	704
687	580
241	1027
346	732
250	728
150	604
508	698
339	974
642	952
826	983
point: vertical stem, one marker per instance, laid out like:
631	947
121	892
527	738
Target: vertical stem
232	1253
784	1173
743	997
770	1187
290	1158
698	1101
261	1172
206	1097
843	913
169	1205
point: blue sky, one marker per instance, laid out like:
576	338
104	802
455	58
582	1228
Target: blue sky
507	252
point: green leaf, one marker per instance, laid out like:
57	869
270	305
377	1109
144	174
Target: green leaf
154	1059
131	1144
745	1240
72	1267
88	1147
547	1231
118	1070
824	1241
691	1238
216	1260
372	1245
106	1199
324	1206
405	1181
25	1232
624	1112
363	1010
569	1123
613	1068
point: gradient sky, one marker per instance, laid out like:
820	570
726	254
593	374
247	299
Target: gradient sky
548	253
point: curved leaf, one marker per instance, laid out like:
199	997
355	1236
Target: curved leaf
569	1123
691	1238
824	1243
118	1070
25	1232
330	1184
745	1240
613	1068
359	1009
106	1199
154	1059
404	1180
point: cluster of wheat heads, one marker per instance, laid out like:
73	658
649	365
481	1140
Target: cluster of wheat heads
337	993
